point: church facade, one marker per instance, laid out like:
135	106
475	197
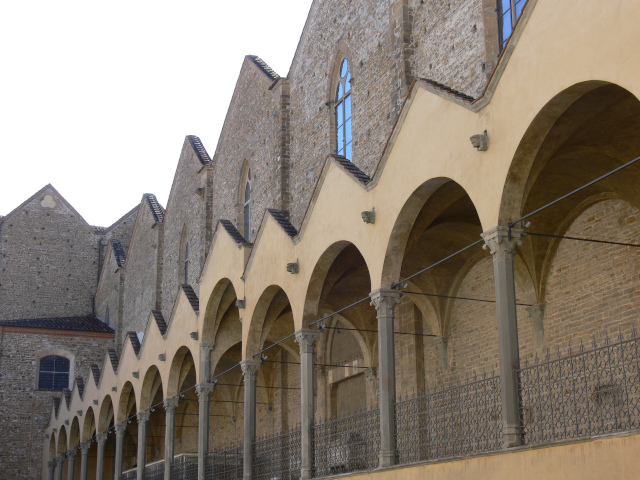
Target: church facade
414	255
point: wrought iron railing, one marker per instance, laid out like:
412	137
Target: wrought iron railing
277	456
129	474
585	393
348	443
185	467
154	471
452	421
225	463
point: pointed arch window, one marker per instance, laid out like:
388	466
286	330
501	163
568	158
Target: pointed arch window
247	208
508	13
183	261
344	138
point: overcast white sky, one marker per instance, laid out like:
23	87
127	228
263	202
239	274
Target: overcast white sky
97	97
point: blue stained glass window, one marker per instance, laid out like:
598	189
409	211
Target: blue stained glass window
343	112
54	373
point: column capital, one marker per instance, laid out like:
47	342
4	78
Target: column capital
143	417
250	367
84	447
204	389
72	453
206	347
307	338
102	437
51	464
385	300
120	428
502	241
59	461
170	404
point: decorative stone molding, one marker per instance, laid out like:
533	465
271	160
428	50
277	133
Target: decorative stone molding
66	422
143	417
170	403
250	368
135	374
114	389
84	448
79	412
58	461
480	142
102	437
96	401
293	268
120	429
204	389
194	335
502	241
307	339
369	216
71	453
162	357
384	300
241	303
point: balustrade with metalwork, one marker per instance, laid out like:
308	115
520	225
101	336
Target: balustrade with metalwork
225	463
584	393
277	456
450	421
348	443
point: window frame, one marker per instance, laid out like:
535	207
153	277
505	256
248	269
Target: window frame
246	207
514	15
57	352
343	106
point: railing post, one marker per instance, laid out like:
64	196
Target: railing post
204	391
250	371
102	440
84	459
307	339
385	300
170	405
59	461
71	458
501	242
120	429
143	419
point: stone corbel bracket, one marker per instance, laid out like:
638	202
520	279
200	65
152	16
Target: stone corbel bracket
480	142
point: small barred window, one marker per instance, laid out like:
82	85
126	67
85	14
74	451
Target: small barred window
54	373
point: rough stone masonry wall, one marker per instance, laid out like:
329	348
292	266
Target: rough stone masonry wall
141	271
250	135
48	261
185	207
108	293
448	38
25	411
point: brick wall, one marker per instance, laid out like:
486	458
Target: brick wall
24	410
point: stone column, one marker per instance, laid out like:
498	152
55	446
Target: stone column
120	428
71	460
84	459
102	440
59	461
170	405
307	339
143	418
52	469
204	391
250	371
502	241
385	300
205	361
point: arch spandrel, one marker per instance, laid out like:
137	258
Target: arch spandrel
127	399
74	433
106	415
151	384
181	364
88	425
220	300
61	445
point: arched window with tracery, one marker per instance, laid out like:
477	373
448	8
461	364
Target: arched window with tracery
246	212
53	373
343	112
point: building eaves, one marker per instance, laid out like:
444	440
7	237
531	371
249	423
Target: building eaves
351	169
284	223
156	209
450	91
262	65
82	324
159	318
233	232
192	297
118	252
135	342
198	147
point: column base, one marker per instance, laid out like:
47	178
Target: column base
512	437
306	473
387	459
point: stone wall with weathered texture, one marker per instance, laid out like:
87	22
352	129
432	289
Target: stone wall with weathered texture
48	260
141	271
109	294
25	410
185	210
249	140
